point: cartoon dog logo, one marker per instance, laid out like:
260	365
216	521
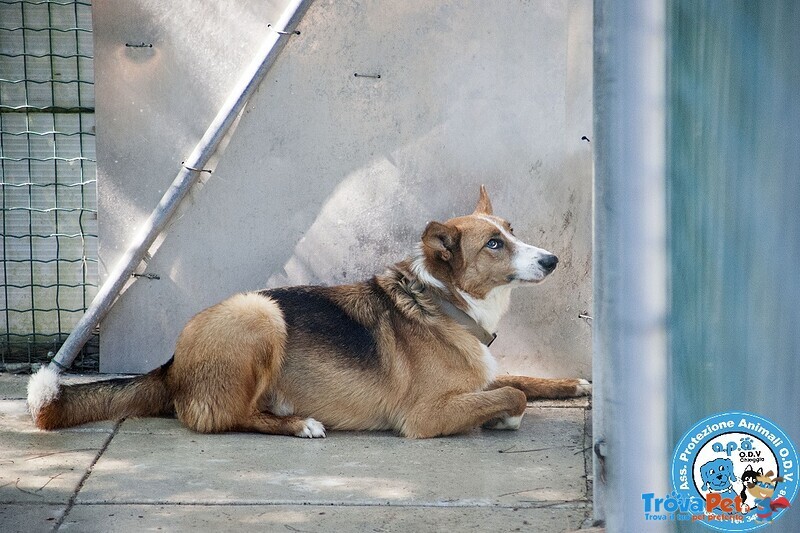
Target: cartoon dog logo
718	476
761	487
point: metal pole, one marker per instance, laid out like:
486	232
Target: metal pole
277	35
630	271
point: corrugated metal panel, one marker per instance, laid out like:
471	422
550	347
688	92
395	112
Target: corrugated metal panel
47	159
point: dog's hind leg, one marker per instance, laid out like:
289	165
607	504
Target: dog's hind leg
462	412
264	422
544	388
227	359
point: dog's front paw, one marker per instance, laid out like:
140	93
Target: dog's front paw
584	388
311	429
506	422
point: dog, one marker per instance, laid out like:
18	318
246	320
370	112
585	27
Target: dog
718	477
406	350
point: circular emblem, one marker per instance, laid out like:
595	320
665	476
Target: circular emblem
738	470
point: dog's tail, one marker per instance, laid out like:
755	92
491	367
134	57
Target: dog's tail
53	405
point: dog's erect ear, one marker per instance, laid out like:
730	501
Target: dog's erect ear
484	206
443	243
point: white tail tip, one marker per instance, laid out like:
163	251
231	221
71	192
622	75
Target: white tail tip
43	388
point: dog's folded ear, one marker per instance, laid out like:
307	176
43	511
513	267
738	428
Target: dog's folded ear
443	243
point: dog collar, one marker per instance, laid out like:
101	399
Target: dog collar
465	320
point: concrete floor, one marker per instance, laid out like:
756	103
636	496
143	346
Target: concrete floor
152	474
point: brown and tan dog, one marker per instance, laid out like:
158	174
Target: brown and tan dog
404	351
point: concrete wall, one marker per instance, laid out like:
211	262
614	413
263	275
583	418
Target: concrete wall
328	177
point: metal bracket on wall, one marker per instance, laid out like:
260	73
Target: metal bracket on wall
146	276
295	32
196	169
600	453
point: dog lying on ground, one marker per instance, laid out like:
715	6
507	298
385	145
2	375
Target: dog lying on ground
406	351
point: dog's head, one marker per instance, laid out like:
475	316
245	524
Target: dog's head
479	252
717	474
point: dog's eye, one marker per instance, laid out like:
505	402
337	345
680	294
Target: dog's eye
494	244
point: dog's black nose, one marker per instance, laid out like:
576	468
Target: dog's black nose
548	263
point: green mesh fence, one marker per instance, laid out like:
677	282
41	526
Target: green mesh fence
47	178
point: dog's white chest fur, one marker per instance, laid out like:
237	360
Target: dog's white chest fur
488	311
489	364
